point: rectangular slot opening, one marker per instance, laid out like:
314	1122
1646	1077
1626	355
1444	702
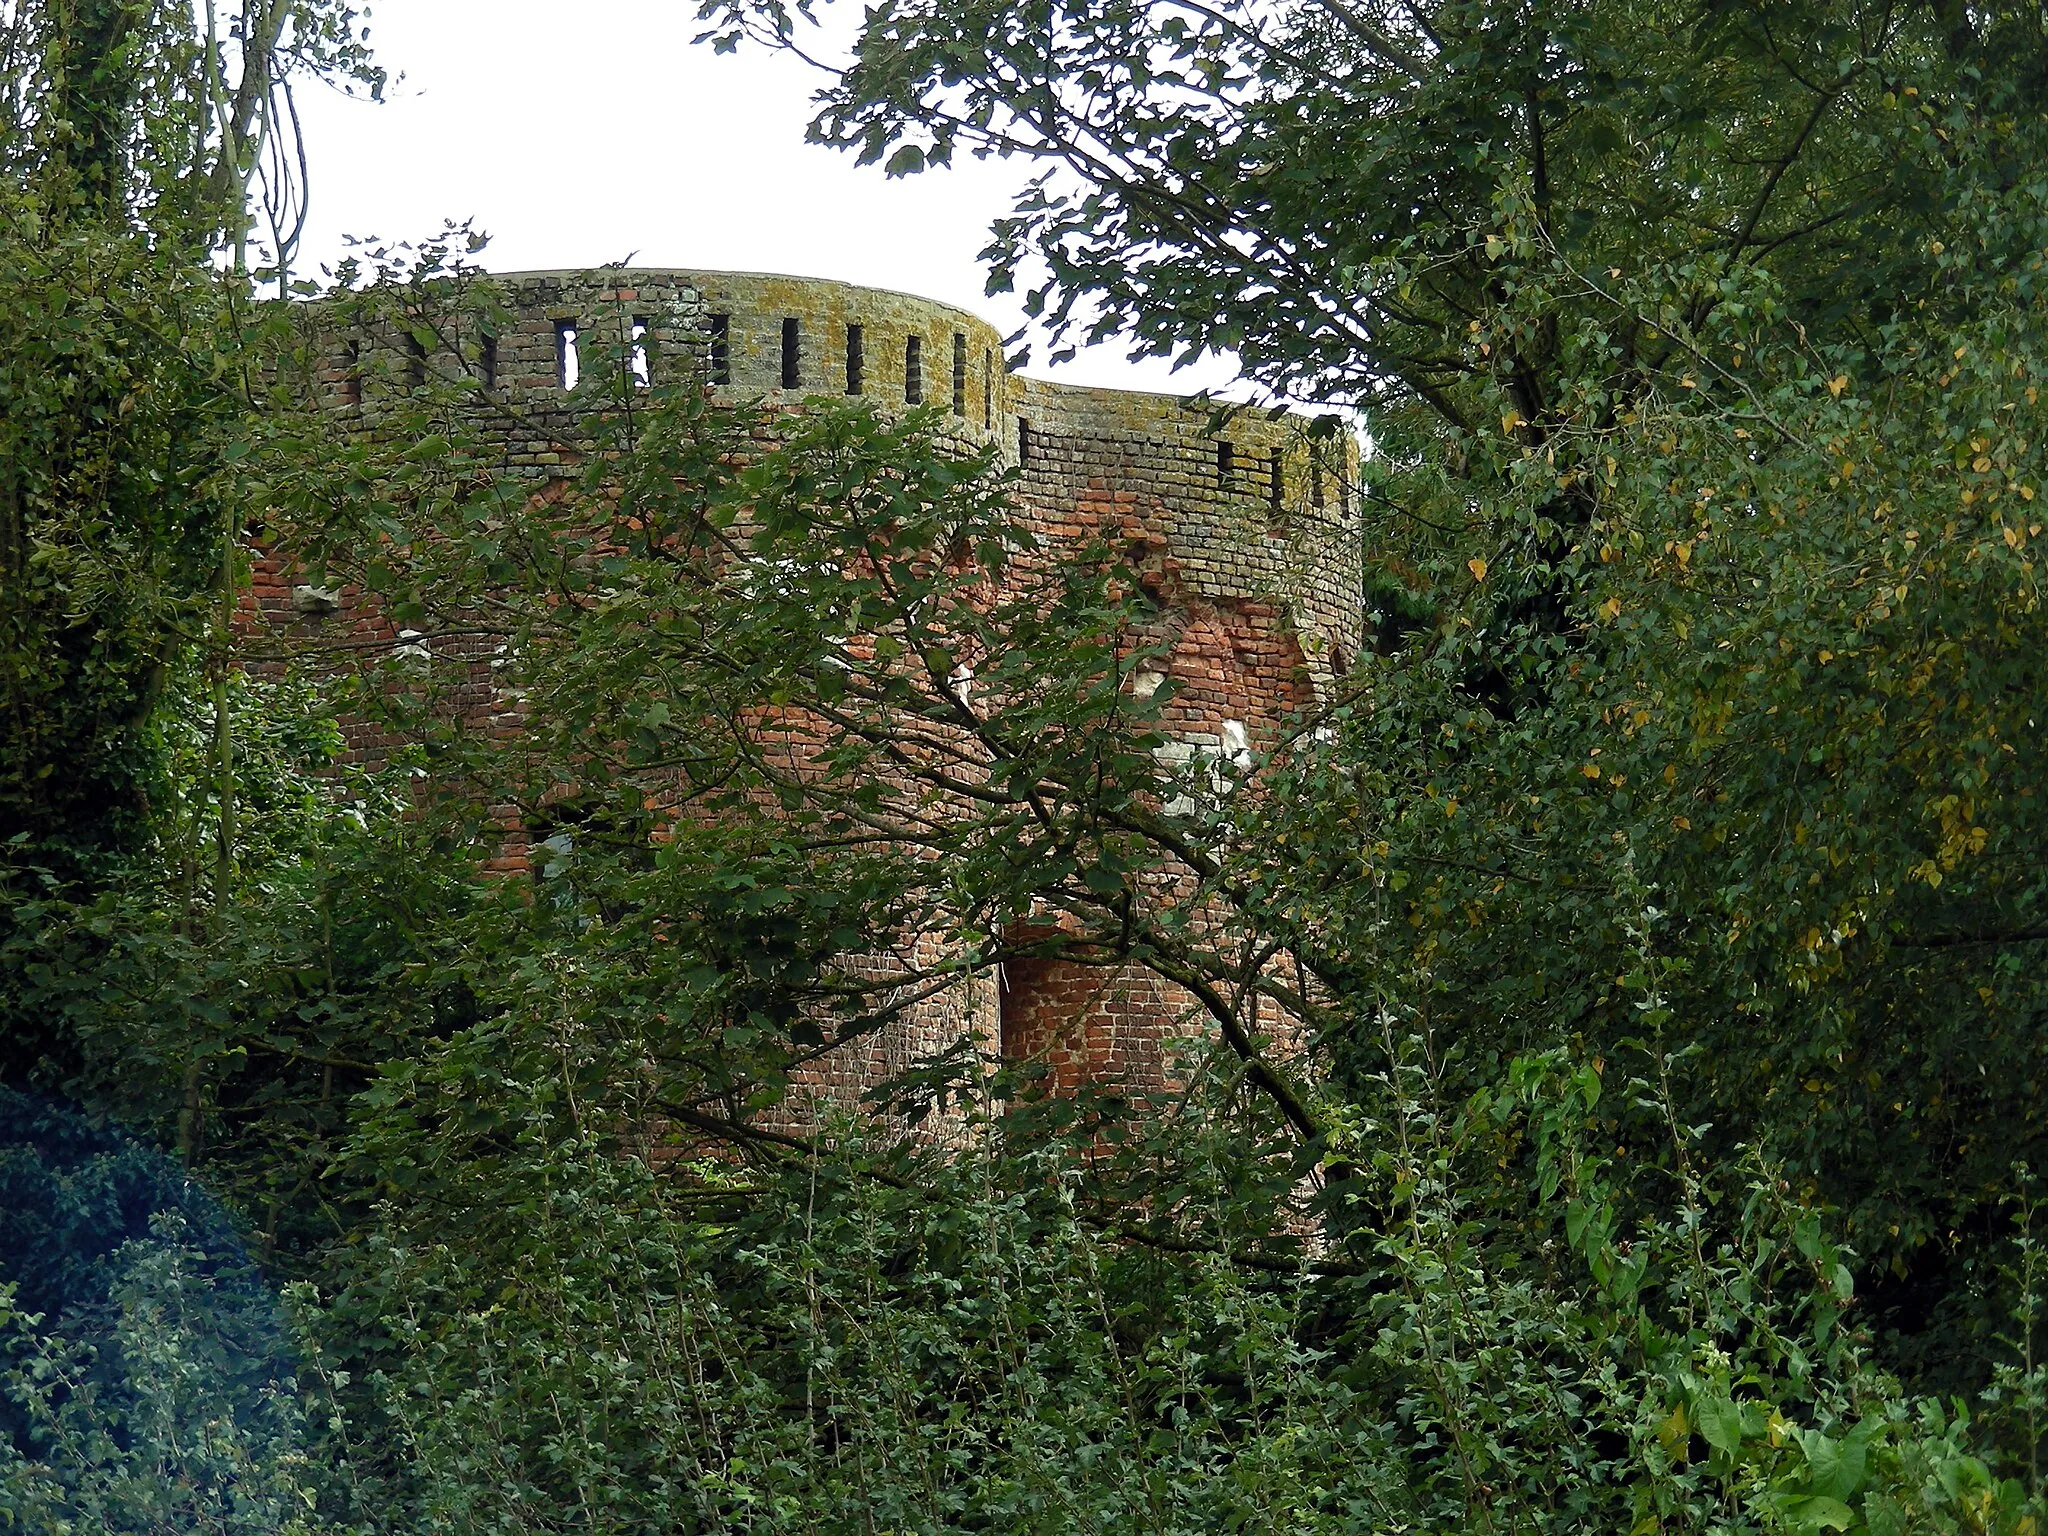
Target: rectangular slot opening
988	390
568	367
792	349
415	362
913	371
1226	464
1023	443
1276	488
959	374
636	357
720	357
487	360
856	359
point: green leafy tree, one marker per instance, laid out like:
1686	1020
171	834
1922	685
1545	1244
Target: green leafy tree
1691	339
131	140
145	1370
1543	1274
1656	907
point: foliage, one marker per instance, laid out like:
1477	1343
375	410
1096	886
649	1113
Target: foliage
130	137
240	1032
169	117
573	1337
111	398
145	1383
1791	685
1629	954
1697	345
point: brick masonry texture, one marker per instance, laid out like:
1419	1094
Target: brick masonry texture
1239	523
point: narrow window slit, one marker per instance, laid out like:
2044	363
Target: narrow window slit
721	351
913	371
792	353
1225	464
856	359
1276	489
415	361
988	390
568	367
636	357
1023	443
959	374
487	360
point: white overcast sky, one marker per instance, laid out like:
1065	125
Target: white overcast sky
580	133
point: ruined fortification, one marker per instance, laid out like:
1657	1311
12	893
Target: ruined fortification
1241	522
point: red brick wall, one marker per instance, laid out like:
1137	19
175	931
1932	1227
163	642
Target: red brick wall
1260	602
1091	1025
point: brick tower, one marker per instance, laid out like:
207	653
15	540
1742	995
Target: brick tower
1241	525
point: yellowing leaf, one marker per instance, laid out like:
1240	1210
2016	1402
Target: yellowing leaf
1611	609
1591	770
1477	568
1510	419
1837	384
1675	1431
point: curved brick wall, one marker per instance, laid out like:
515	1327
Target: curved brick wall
1101	460
1241	526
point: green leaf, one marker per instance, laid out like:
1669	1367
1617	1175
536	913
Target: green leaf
907	160
1720	1420
1814	1512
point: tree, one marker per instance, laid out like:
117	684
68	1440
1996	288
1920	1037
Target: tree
1619	288
146	1382
131	138
744	650
131	135
1700	749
